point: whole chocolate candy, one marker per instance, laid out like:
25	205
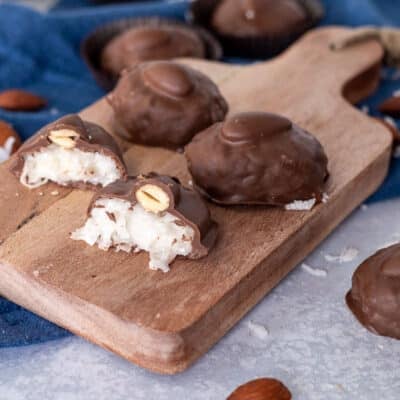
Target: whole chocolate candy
257	158
70	152
147	43
375	294
165	104
154	213
260	17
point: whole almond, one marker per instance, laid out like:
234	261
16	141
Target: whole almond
261	389
391	107
20	100
7	132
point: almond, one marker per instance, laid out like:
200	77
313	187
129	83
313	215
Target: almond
7	132
64	137
152	198
261	389
20	100
391	107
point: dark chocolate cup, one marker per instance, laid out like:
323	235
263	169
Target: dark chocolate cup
93	45
263	46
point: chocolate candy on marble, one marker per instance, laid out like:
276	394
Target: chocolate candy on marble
374	297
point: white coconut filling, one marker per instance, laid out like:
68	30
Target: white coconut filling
60	165
116	223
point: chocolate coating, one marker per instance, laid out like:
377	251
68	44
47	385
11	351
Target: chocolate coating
257	158
92	138
375	294
259	17
184	203
146	43
165	104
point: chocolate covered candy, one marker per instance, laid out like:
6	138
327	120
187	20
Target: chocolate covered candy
258	158
375	294
147	43
165	104
260	17
150	213
256	28
69	152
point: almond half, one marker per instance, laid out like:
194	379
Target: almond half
152	198
65	138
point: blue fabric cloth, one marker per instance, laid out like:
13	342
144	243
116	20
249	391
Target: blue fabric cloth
40	52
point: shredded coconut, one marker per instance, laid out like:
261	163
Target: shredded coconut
258	330
314	271
115	223
346	255
301	205
62	166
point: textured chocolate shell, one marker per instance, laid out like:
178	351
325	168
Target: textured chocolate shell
147	43
165	104
375	294
257	158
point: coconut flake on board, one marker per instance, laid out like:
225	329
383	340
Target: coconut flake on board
305	205
301	205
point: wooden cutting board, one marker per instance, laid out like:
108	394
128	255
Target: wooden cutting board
163	322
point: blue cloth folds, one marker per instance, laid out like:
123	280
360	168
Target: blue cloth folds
40	52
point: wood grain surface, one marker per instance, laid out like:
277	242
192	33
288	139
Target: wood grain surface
163	322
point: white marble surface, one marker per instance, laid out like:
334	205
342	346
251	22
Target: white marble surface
310	341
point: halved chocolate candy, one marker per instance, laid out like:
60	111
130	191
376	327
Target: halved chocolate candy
258	158
70	152
375	294
165	104
153	213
